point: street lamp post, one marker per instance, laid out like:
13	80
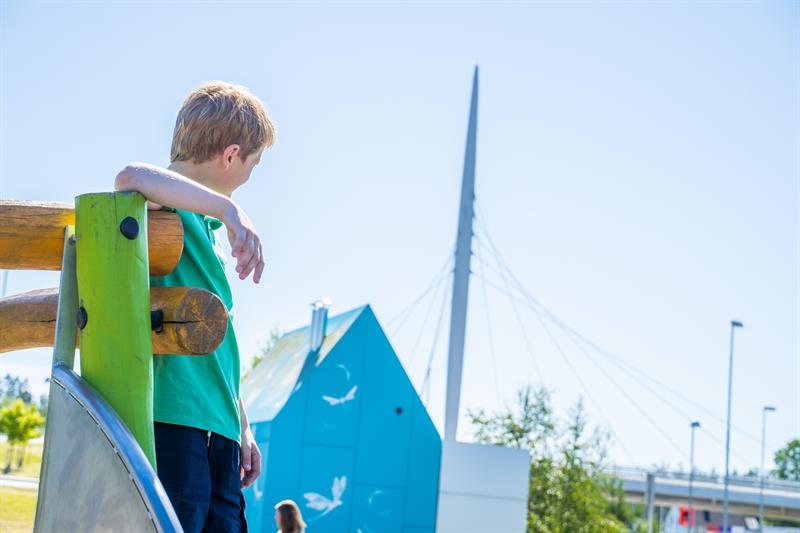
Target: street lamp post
734	325
690	525
767	409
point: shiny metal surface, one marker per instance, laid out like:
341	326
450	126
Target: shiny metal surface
94	475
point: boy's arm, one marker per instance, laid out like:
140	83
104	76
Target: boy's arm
250	458
167	187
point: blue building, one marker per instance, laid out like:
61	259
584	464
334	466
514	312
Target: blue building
342	432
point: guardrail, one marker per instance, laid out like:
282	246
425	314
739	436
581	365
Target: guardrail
743	481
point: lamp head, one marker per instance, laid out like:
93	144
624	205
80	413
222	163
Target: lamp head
736	324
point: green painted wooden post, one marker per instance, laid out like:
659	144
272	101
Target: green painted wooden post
114	293
66	327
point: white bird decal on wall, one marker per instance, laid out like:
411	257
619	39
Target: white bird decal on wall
351	395
318	502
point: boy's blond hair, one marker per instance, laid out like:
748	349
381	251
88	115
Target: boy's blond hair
216	115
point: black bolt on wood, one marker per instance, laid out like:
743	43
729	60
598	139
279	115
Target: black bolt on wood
129	227
398	411
83	317
157	320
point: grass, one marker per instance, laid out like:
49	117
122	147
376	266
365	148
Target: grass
17	509
31	464
18	506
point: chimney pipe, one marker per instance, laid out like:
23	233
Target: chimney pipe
319	321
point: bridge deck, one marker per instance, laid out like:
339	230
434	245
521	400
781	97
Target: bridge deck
781	499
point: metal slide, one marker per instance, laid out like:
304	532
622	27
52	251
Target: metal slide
95	475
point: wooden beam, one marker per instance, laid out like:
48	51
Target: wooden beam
193	321
32	236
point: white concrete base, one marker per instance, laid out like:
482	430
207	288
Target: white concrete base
482	489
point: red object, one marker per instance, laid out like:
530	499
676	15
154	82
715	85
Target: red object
687	516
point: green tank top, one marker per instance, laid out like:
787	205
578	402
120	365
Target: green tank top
199	391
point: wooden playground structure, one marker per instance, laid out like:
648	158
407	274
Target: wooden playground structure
98	466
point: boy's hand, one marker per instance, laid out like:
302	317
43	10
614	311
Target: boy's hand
250	459
245	243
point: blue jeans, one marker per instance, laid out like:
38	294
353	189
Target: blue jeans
200	473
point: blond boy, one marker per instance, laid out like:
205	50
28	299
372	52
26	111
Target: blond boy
204	446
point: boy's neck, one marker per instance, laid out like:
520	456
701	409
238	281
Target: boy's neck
197	172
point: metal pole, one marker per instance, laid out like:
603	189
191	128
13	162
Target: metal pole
458	314
66	316
63	349
734	325
766	409
690	525
650	498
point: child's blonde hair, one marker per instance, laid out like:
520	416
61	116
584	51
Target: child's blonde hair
216	115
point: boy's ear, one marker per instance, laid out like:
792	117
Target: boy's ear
229	153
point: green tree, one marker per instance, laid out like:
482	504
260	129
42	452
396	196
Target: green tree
13	387
529	426
787	461
20	422
568	490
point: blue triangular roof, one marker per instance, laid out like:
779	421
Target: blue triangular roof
268	387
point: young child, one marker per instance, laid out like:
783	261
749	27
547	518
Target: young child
288	518
204	446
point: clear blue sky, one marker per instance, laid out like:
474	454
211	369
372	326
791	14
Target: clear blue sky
637	167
